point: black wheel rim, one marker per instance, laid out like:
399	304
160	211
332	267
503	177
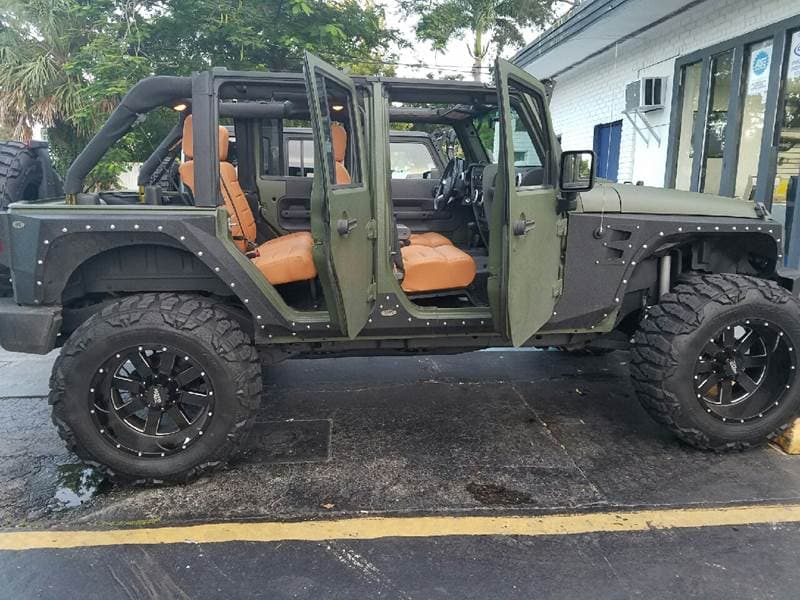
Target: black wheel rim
744	371
151	400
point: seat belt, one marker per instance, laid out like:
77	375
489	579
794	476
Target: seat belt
251	245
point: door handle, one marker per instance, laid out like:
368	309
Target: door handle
345	225
523	226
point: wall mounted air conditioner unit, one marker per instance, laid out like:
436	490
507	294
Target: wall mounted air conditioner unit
646	94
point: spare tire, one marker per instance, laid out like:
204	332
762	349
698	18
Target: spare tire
20	173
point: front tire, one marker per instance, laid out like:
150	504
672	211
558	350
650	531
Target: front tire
156	387
716	361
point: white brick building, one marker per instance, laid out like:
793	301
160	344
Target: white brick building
720	52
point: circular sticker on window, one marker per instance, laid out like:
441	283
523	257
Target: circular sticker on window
760	62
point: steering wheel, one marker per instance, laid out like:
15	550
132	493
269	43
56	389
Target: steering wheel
452	185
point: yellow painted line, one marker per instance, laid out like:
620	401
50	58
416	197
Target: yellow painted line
372	528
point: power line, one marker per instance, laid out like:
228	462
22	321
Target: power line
415	65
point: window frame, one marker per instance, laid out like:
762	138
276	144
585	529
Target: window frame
779	34
531	111
354	153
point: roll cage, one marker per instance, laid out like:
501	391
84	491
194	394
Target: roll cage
200	94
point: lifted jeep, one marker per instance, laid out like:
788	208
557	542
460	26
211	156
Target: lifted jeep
330	241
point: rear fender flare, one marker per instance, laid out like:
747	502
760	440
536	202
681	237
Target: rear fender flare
48	246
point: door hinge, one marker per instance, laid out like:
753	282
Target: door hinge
372	230
558	288
561	227
372	292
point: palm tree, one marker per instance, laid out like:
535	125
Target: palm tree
494	24
37	42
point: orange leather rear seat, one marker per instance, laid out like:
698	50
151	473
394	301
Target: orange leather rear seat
281	260
287	258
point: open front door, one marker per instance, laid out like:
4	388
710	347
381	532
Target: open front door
526	242
341	207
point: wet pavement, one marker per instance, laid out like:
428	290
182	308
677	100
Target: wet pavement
488	433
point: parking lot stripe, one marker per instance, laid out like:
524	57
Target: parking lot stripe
370	528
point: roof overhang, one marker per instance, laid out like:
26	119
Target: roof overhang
592	28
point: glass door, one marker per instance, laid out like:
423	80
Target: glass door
716	122
754	104
690	79
787	172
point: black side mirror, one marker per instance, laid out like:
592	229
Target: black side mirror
577	171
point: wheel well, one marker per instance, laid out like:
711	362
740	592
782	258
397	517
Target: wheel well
126	270
745	254
736	253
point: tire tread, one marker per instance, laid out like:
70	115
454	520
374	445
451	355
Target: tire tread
654	357
182	312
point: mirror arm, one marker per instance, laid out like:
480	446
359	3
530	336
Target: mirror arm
566	202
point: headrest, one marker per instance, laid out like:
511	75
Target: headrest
223	143
188	140
339	139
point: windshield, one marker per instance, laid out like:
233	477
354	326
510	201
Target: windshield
411	160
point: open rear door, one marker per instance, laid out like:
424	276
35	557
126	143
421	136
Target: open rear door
528	224
341	206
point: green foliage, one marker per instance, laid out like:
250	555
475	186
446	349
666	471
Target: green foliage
67	63
494	24
191	35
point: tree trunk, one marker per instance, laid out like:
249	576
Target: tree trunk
477	55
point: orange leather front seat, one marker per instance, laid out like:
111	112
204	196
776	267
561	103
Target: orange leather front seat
436	268
430	239
431	262
339	140
281	260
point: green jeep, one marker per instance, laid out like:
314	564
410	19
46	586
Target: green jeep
325	239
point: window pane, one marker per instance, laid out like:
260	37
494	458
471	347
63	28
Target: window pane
294	158
756	82
340	149
525	142
410	160
308	158
691	102
716	122
525	154
789	140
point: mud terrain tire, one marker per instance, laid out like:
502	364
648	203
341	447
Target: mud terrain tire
188	324
672	343
20	173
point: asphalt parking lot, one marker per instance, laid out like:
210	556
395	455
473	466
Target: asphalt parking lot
491	475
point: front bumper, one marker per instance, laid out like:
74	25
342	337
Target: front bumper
31	329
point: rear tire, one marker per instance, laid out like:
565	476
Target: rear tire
716	361
156	387
20	173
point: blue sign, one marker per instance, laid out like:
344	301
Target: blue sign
760	62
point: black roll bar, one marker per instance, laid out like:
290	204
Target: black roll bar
151	164
146	95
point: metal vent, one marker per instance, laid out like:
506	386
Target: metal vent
632	95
